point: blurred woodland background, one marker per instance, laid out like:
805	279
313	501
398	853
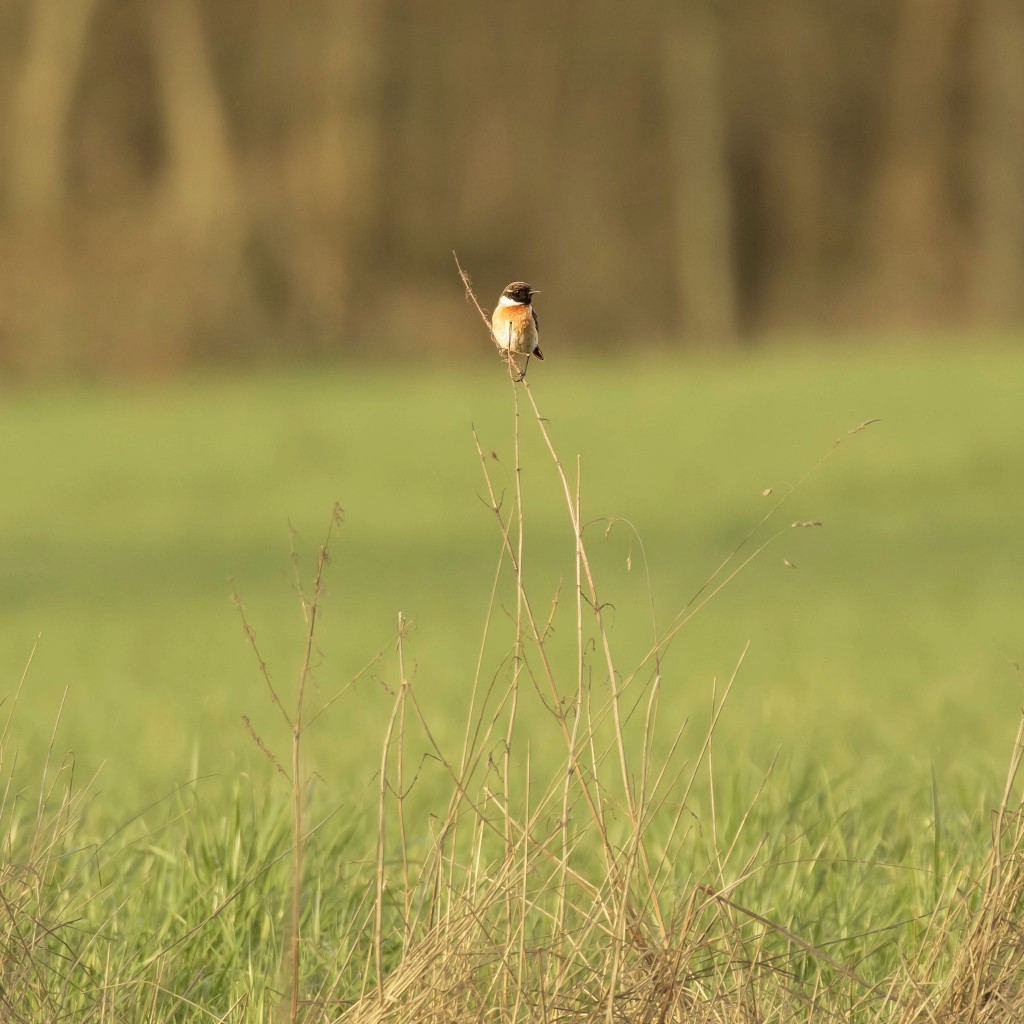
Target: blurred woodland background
196	180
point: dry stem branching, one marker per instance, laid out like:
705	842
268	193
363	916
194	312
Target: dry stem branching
296	722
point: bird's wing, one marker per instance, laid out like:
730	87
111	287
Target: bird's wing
536	323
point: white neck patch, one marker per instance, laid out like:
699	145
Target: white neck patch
506	301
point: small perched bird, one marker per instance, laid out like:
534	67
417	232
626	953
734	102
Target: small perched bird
515	327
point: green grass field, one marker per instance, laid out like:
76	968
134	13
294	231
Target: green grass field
880	668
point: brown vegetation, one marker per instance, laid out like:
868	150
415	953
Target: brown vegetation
185	180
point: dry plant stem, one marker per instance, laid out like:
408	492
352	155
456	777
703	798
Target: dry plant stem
406	888
375	660
250	635
580	672
595	603
296	880
538	638
378	916
711	790
482	820
472	740
477	742
469	740
522	902
517	666
397	715
520	590
310	611
471	295
296	726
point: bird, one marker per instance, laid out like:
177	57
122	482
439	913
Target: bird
516	328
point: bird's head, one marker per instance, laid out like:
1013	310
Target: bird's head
519	292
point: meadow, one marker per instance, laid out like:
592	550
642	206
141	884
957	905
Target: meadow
842	813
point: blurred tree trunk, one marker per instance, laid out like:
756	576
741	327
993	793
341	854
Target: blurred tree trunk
393	100
354	83
795	161
201	192
41	105
998	269
318	221
199	209
703	263
912	245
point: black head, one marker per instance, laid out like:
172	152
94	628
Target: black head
519	291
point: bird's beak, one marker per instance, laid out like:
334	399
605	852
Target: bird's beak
535	291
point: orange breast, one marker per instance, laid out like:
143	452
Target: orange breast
514	329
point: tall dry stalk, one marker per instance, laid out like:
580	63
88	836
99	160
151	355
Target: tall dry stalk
296	724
